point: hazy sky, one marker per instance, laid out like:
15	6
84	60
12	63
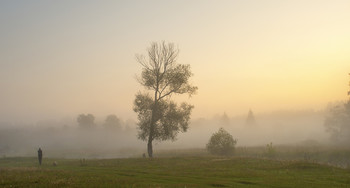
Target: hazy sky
63	58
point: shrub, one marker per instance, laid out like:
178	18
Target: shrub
221	143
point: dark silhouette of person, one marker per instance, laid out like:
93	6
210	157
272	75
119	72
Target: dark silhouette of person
40	155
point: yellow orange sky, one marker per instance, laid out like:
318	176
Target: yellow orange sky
64	58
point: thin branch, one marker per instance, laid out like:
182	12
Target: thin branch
170	92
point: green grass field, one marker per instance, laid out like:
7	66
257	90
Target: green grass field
170	172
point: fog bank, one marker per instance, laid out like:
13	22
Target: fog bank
67	139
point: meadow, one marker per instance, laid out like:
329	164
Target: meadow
165	171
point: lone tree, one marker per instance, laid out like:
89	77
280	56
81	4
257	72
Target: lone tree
160	118
337	122
250	121
221	143
225	120
86	121
112	122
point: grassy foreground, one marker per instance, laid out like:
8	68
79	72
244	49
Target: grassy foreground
169	172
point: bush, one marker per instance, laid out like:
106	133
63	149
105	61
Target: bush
221	143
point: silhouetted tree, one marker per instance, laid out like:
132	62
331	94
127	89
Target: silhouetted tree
112	122
224	120
337	121
159	118
221	143
86	121
250	118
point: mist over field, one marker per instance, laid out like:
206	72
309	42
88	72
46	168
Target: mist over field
66	139
283	60
180	93
284	127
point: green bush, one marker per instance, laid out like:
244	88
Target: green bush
221	143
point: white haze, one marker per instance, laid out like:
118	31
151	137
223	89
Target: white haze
66	139
282	127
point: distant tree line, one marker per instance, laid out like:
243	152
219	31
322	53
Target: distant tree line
88	121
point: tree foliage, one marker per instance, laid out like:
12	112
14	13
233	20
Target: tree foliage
86	121
337	121
160	118
112	122
221	143
169	118
162	74
250	121
225	120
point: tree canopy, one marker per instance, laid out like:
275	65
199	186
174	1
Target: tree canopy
160	118
221	143
337	122
250	121
86	121
112	122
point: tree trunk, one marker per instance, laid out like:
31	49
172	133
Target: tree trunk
149	148
151	132
150	138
